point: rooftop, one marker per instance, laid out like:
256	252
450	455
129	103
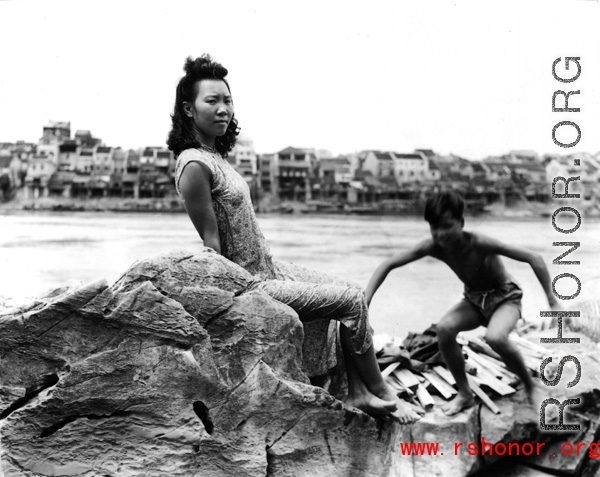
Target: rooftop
295	150
410	156
383	156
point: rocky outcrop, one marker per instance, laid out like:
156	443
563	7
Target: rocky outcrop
182	368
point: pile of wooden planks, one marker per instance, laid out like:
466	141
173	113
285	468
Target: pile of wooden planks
487	374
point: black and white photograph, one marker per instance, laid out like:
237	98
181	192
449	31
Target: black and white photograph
299	239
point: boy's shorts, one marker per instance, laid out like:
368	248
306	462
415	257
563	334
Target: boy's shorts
487	302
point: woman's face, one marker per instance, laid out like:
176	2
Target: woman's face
212	110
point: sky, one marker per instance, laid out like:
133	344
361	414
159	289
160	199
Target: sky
465	77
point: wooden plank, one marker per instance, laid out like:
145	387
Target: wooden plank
494	384
487	357
482	378
481	346
424	397
506	376
441	386
481	363
388	370
403	390
487	378
470	368
387	360
445	374
408	379
499	365
532	364
529	344
527	351
393	383
483	396
530	361
462	339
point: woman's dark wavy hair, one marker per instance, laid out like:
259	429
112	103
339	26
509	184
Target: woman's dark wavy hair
182	134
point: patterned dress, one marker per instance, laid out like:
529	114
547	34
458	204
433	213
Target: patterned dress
319	299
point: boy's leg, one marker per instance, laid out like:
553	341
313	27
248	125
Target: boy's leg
462	317
501	324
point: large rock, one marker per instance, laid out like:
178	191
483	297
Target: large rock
183	368
180	368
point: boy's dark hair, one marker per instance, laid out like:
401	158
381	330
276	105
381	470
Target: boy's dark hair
182	136
440	202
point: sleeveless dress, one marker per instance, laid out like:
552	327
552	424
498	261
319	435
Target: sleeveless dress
317	298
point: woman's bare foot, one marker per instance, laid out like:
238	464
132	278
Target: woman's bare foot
404	414
460	402
386	393
371	404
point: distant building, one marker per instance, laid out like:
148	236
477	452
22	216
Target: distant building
266	172
294	171
479	171
85	139
50	151
68	153
119	159
165	161
61	183
410	167
103	161
243	158
523	156
55	132
131	186
6	180
378	163
336	170
39	170
335	175
433	170
497	170
148	155
85	161
588	171
528	172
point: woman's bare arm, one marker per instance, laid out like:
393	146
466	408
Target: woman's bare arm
195	190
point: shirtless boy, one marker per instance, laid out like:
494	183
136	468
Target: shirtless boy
491	297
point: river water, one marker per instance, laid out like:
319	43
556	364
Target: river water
41	250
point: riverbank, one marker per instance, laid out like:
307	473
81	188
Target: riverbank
264	205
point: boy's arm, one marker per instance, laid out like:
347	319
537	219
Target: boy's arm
381	272
521	254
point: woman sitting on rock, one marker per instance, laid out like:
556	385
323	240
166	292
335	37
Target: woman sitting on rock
217	200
